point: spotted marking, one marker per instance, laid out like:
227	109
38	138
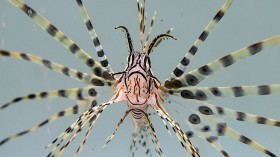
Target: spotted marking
205	110
221	128
218	16
205	70
227	60
264	90
203	36
240	116
200	95
187	94
194	119
216	91
191	80
193	50
255	48
238	91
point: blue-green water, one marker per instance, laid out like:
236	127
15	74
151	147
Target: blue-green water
245	23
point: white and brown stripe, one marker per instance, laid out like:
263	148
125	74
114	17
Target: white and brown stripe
181	67
98	48
73	93
95	66
211	93
194	77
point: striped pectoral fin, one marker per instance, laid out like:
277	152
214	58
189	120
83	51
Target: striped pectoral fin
71	131
181	67
213	140
183	138
72	73
205	124
68	112
81	121
243	139
166	126
109	138
95	66
64	135
213	117
236	115
163	121
80	148
73	93
211	93
133	146
194	77
144	127
58	152
219	128
154	136
205	133
88	117
83	77
98	48
91	119
144	140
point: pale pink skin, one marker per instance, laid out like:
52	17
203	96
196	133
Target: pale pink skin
137	91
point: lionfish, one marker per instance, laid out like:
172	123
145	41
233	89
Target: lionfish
139	88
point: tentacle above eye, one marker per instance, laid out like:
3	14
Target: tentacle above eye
160	40
155	40
129	40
